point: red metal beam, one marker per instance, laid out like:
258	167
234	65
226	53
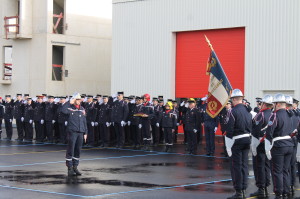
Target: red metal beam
57	65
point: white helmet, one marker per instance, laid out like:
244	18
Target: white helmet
76	96
237	93
279	98
289	99
267	99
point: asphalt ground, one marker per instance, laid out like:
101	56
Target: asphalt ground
29	170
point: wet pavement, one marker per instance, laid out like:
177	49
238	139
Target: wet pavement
38	170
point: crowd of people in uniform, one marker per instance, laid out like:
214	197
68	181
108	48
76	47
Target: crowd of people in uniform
269	130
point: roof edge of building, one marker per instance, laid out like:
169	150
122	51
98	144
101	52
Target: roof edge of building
124	1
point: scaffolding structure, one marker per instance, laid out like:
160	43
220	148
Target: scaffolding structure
11	25
59	18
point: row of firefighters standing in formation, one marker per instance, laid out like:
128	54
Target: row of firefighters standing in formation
112	120
272	135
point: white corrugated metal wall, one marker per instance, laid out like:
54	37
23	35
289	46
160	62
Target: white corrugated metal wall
144	42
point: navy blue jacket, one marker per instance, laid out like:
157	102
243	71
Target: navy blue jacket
169	120
260	121
103	115
192	119
77	118
18	109
119	111
280	124
239	123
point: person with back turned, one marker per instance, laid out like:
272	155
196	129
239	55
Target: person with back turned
237	142
76	129
261	164
279	147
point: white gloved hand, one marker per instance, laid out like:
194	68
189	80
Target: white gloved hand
115	99
30	121
123	123
178	124
157	124
268	147
254	143
182	103
107	124
268	154
66	123
93	123
298	153
186	105
96	124
112	124
229	143
42	121
53	121
10	120
216	128
22	119
128	123
195	131
140	126
33	99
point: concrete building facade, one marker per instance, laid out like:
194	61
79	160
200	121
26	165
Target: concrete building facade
149	35
56	47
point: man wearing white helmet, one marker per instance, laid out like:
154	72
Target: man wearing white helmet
261	164
279	146
237	141
76	128
295	122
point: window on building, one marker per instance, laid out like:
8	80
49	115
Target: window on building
7	65
58	16
57	63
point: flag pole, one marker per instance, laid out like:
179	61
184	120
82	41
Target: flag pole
209	44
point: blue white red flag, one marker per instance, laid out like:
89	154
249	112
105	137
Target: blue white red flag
219	89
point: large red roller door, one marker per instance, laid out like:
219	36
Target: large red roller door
192	53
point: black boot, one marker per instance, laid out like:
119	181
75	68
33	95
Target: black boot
259	193
167	148
278	196
76	171
237	195
266	192
292	190
71	171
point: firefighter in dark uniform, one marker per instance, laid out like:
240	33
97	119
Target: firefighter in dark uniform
182	111
50	113
176	110
169	124
278	133
8	116
28	120
237	141
127	126
192	125
210	128
39	118
261	164
18	115
119	115
155	121
62	120
91	114
258	105
103	121
76	128
295	122
223	123
131	106
136	123
148	113
162	107
1	115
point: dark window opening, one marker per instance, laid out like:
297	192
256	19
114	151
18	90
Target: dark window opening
58	16
57	63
